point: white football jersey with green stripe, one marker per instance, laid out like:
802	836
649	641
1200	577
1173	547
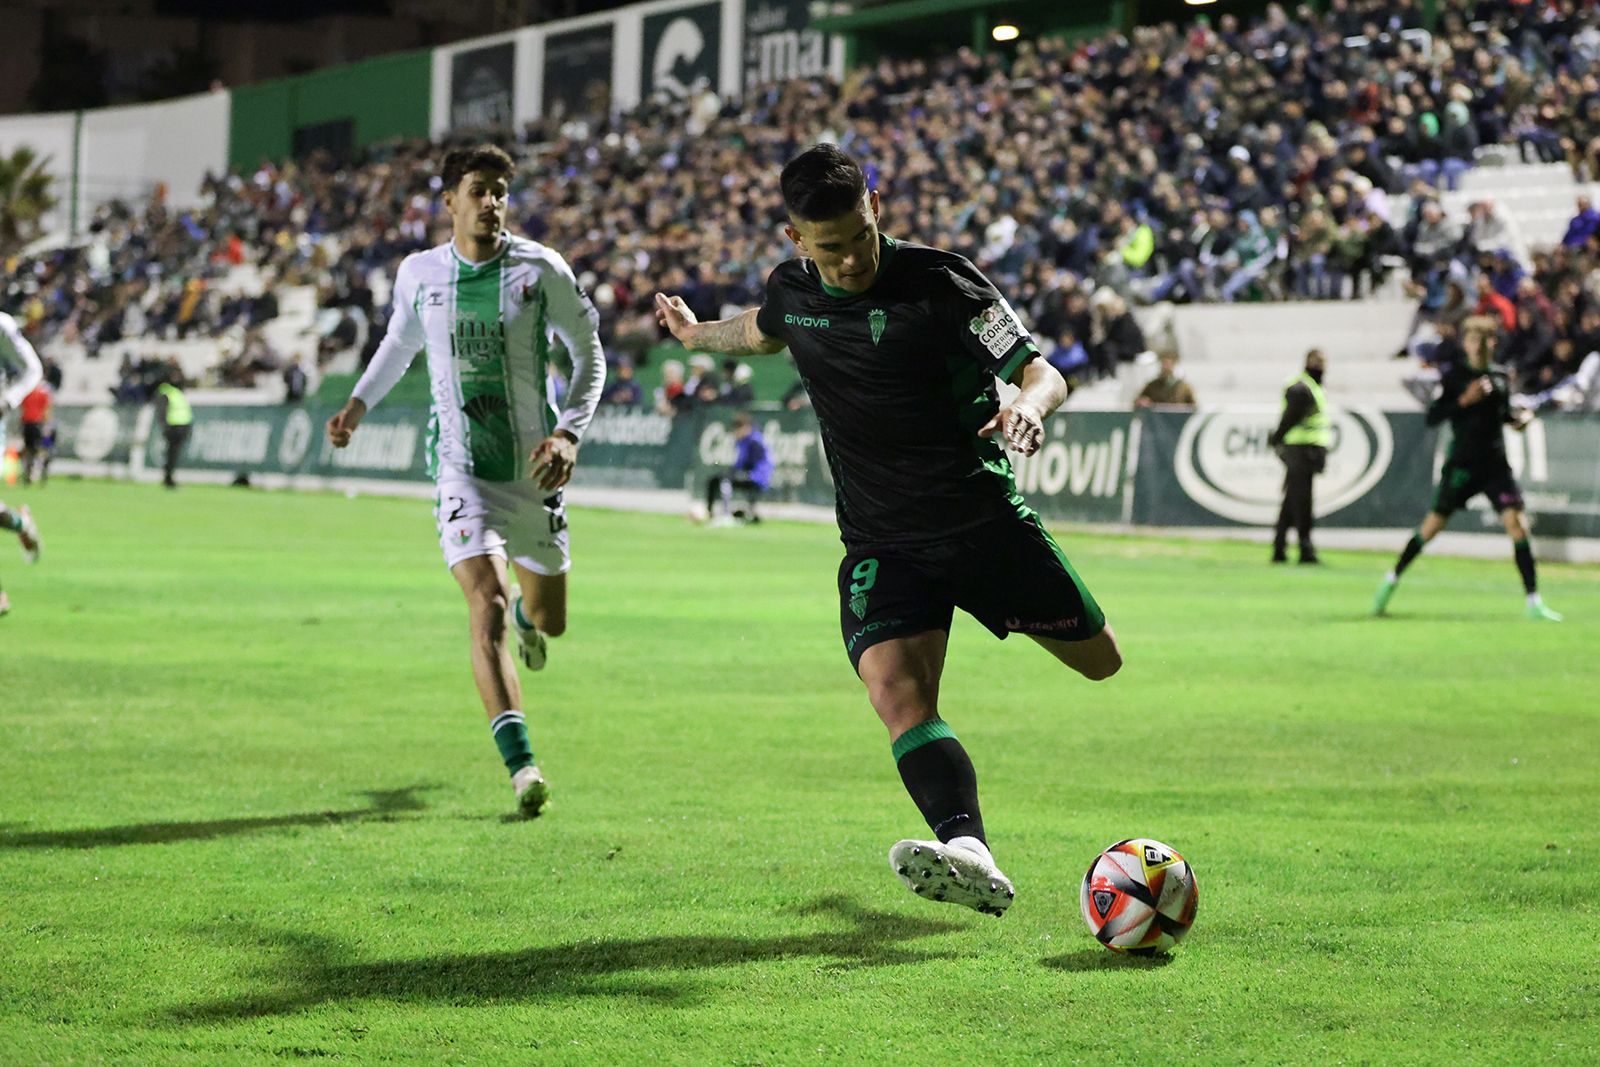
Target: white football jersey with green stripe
487	329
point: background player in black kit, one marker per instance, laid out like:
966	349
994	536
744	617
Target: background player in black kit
1475	397
900	346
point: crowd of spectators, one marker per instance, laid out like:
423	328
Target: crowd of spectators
1547	312
1198	163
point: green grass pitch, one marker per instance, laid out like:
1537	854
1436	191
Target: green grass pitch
252	812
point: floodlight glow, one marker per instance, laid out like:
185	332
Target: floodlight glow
1005	32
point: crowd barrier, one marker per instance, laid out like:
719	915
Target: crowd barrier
1210	468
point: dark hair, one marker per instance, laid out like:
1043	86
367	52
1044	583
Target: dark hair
822	183
484	158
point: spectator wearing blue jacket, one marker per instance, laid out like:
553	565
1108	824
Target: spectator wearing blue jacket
751	474
1584	225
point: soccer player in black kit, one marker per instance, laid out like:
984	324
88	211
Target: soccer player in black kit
900	347
1476	399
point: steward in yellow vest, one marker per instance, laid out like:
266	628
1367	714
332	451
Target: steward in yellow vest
176	415
1302	440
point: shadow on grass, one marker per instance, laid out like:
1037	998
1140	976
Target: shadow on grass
1103	959
386	805
314	974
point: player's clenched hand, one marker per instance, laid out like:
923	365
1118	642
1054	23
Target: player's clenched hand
553	461
675	315
1480	388
344	423
1021	425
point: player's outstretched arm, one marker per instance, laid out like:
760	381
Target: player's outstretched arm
1043	390
738	336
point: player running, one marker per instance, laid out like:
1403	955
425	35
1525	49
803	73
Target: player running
1476	399
486	307
20	372
900	346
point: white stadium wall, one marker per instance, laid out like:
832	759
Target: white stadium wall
52	137
128	151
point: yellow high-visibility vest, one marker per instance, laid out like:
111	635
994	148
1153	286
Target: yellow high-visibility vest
1314	429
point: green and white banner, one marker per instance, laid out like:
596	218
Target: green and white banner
1174	469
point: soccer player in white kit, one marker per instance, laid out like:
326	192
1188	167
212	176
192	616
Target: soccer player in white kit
486	307
20	371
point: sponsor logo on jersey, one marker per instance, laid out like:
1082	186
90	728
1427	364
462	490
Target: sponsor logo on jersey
478	341
877	318
996	327
805	322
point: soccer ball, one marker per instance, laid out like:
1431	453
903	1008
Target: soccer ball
1139	897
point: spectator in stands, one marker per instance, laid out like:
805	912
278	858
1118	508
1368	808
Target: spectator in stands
622	390
671	396
736	388
1167	388
1492	303
1584	225
1527	348
295	382
1115	336
1487	231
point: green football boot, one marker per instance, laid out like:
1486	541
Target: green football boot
1380	602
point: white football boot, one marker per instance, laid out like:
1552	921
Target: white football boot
28	534
531	646
533	792
960	871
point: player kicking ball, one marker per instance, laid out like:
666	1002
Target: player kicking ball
487	307
900	347
1476	399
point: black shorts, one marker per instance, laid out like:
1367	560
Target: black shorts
1009	574
35	435
1460	483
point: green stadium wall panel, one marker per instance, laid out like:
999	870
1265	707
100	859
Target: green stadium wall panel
366	103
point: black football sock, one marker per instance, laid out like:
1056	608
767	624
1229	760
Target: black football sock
940	779
1524	555
1412	550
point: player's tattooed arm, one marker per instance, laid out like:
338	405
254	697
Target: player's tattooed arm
738	336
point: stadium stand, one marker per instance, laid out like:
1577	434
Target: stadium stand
1291	159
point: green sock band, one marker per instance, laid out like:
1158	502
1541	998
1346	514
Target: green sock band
920	735
11	521
516	613
511	738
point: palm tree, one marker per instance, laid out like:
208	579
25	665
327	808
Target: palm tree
24	197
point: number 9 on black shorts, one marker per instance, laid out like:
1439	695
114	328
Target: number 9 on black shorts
1009	574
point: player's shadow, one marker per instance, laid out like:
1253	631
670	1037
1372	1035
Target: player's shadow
654	968
385	805
1103	959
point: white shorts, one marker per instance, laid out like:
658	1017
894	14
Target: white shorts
515	520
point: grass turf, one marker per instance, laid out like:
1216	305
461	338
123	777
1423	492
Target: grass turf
252	811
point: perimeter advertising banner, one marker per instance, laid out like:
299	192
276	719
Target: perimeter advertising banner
577	71
1208	468
682	50
1215	468
483	87
289	440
